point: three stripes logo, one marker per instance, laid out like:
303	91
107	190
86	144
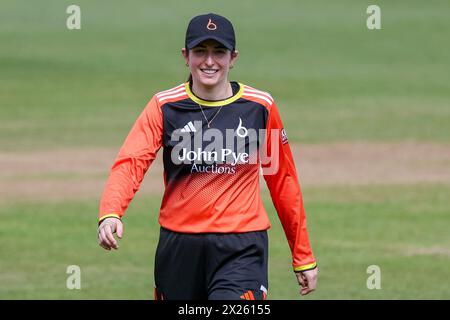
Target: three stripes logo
248	295
189	127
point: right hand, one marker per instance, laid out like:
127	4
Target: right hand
105	233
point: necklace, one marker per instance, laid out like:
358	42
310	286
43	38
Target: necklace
215	115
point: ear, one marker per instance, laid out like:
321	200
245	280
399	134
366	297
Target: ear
234	56
185	55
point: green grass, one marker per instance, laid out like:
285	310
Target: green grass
354	227
332	78
350	229
42	239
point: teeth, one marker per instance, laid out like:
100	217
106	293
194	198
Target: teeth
209	71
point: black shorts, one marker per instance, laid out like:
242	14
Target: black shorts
211	266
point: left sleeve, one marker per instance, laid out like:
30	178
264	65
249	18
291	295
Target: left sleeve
281	177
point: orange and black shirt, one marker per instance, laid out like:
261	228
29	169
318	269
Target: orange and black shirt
213	189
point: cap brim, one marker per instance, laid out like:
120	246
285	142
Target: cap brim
197	41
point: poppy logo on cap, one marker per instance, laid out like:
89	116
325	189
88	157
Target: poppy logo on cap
211	25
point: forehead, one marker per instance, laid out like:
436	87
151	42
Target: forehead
210	43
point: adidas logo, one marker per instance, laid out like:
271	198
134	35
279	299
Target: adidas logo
248	296
189	127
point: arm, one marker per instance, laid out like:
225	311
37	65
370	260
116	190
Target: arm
134	158
281	178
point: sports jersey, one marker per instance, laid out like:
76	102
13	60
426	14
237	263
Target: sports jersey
213	190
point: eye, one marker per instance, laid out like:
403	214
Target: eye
199	50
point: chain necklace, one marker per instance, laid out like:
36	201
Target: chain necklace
215	115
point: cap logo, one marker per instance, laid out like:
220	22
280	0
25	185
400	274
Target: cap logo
211	25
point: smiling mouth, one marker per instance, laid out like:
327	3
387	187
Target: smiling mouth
209	71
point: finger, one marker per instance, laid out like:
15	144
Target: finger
311	281
99	240
119	229
110	237
103	246
105	240
300	279
305	279
101	237
306	291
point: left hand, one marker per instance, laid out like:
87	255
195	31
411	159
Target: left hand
307	280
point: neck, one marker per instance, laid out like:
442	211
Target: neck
218	92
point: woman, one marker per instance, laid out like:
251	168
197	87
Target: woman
213	238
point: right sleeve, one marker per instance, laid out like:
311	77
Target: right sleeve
134	158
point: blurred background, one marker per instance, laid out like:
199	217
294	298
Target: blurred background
367	113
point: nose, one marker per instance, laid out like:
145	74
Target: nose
209	60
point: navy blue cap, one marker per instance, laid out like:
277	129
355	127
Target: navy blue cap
210	26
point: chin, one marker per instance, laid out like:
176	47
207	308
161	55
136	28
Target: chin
209	82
